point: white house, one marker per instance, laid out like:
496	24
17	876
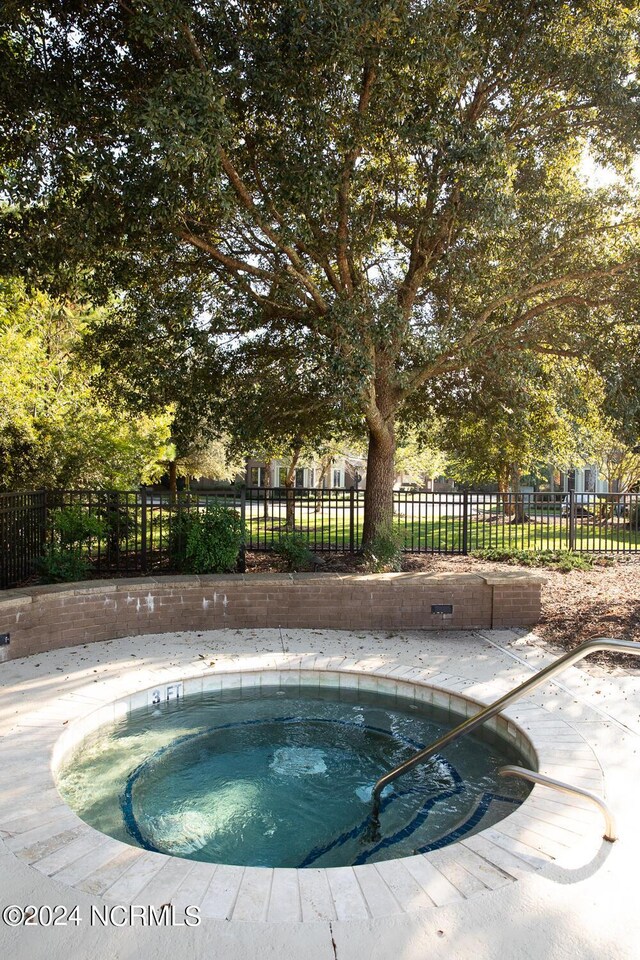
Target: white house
579	479
339	472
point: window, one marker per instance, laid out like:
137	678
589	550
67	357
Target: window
312	477
282	476
337	478
254	476
300	477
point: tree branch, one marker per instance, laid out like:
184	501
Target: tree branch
455	359
302	247
543	286
297	270
344	268
231	263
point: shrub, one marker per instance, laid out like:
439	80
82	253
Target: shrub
566	560
384	553
634	516
294	549
70	530
61	565
563	560
207	541
177	543
120	522
75	525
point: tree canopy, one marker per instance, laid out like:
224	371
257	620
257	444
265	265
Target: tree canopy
55	430
398	184
515	419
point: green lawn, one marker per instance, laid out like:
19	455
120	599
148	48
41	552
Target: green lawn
330	529
441	533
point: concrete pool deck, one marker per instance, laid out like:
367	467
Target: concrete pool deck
542	898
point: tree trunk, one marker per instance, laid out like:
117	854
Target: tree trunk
381	472
324	468
290	521
173	480
503	489
267	488
519	516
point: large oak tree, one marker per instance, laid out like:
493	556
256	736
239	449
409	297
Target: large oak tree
399	182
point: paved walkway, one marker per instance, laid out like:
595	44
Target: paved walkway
585	908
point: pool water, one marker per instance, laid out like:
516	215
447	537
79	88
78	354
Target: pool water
282	777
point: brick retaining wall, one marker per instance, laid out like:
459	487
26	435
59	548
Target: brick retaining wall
63	615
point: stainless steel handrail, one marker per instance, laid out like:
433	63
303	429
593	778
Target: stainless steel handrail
534	777
472	723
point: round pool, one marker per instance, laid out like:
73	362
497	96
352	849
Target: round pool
276	775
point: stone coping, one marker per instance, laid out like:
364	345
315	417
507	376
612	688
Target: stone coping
125	584
46	834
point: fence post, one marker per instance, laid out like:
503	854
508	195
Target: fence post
143	530
352	527
44	522
465	523
242	555
572	520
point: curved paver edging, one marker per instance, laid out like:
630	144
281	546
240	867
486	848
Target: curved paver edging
64	615
59	845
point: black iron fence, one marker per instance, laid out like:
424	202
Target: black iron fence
22	535
137	531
